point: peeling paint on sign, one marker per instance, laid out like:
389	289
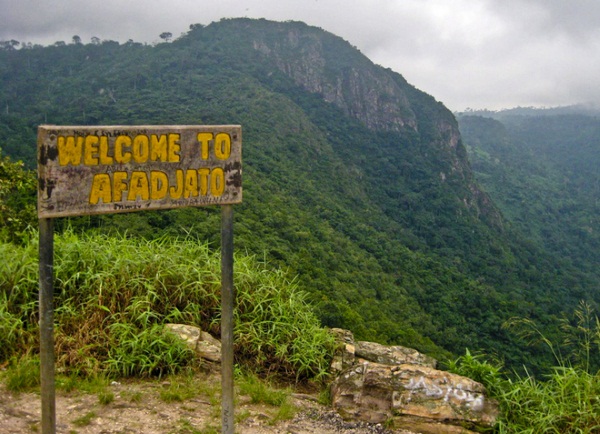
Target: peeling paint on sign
109	169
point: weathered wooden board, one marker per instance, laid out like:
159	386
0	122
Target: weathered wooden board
111	169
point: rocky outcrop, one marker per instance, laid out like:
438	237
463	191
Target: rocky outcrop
401	387
381	99
392	355
350	81
386	384
394	385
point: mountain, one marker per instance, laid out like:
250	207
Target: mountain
354	180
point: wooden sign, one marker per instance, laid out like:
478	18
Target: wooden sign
111	169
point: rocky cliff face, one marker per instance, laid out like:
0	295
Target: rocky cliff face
381	99
358	88
361	89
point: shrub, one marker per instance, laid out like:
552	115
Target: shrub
18	188
564	401
113	295
144	353
277	332
23	374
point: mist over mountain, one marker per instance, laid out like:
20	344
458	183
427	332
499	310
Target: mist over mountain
541	168
354	180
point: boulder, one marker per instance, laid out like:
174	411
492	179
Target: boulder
204	345
412	396
400	386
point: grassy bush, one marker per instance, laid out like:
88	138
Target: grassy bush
18	299
276	331
23	374
261	392
18	189
566	401
113	295
143	353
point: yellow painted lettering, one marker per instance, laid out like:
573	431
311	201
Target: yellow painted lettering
204	139
69	150
141	148
222	146
217	181
122	149
100	189
175	191
191	184
119	185
138	186
103	150
90	150
203	177
159	185
158	147
174	147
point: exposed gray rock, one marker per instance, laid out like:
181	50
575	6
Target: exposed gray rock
401	386
344	356
392	355
348	351
204	345
363	91
390	385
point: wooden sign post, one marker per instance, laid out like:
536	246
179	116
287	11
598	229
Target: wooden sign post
115	169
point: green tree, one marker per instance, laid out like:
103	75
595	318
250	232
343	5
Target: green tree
9	45
166	36
17	199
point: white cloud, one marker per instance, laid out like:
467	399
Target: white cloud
477	53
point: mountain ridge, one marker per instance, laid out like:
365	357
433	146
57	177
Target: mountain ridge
378	97
361	187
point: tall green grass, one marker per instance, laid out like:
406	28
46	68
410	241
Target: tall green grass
564	401
113	294
276	331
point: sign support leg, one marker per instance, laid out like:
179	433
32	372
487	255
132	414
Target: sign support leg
227	299
46	309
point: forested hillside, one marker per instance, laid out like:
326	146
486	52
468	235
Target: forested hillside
541	167
354	180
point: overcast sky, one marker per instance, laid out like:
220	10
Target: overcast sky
466	53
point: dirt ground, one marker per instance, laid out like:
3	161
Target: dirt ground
137	407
